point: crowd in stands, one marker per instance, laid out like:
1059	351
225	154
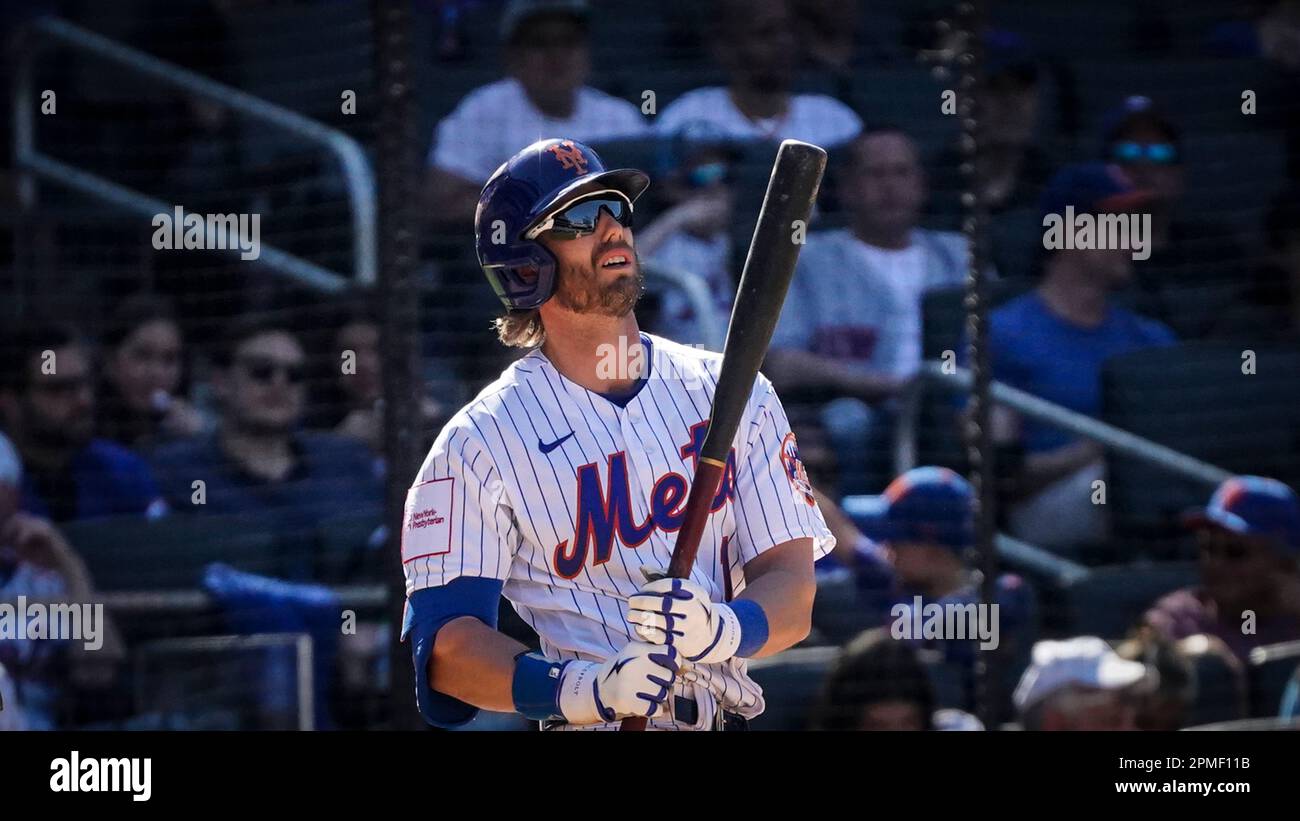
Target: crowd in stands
198	392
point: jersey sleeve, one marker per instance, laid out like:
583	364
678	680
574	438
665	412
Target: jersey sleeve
774	499
457	520
458	540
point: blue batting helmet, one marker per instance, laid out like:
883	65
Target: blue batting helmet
528	188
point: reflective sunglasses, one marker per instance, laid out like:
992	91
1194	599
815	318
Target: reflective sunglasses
579	218
1128	151
703	176
264	371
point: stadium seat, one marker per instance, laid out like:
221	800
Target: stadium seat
839	613
792	683
1195	399
1110	600
130	553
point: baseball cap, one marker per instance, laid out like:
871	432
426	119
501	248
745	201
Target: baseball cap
1253	506
11	467
1092	188
519	12
925	504
1084	661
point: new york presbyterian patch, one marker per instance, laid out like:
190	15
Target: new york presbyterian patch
426	521
794	471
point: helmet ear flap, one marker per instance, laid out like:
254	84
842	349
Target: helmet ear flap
525	281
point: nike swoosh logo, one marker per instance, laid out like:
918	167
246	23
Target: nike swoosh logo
548	447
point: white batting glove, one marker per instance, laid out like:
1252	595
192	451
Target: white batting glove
678	613
636	682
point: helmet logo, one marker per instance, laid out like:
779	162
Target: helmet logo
570	156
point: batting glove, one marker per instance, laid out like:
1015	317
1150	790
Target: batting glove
636	682
678	613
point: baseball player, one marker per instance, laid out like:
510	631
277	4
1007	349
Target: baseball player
562	485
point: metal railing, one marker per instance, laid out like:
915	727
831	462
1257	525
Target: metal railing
357	175
1109	436
713	333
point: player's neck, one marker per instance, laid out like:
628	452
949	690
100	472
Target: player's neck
601	353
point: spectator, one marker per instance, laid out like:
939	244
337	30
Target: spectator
144	364
914	542
1014	168
850	331
1080	684
1195	268
693	234
37	564
257	460
545	93
877	683
1270	310
757	48
1052	342
47	401
1249	543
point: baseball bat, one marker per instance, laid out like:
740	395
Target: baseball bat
773	251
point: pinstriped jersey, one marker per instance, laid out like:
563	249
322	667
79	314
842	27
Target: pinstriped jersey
564	494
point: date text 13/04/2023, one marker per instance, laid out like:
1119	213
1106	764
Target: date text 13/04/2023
1190	763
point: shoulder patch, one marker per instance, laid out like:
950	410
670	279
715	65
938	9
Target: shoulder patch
794	471
426	520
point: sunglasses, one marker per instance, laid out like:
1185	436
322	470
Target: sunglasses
264	371
580	218
703	176
1128	151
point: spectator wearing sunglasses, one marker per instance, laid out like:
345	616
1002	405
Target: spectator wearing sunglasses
47	404
547	61
258	460
1196	266
1248	538
693	235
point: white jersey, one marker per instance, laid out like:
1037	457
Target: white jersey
564	494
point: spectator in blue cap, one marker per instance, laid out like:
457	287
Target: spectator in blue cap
915	540
1249	544
1053	341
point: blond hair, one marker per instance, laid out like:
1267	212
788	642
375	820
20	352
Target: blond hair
520	329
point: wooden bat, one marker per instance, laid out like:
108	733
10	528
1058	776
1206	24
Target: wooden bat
782	225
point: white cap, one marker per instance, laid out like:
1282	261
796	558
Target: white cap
1086	661
11	467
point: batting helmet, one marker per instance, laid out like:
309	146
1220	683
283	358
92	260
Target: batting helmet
530	187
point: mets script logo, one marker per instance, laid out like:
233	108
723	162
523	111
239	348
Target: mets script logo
570	156
424	518
605	509
794	469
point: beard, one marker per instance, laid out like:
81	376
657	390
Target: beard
580	290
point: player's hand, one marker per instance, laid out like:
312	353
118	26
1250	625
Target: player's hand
636	682
678	613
